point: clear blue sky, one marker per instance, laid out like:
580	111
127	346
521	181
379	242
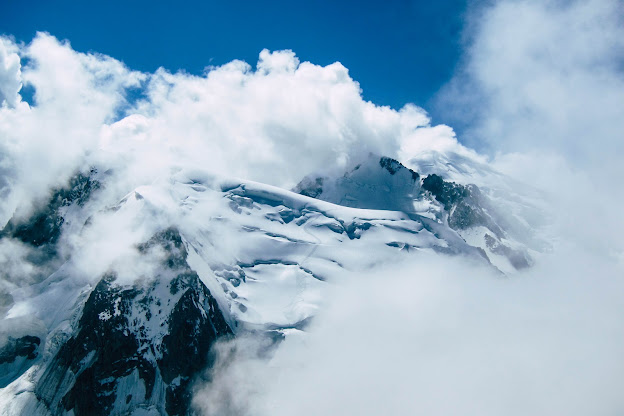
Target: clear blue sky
399	51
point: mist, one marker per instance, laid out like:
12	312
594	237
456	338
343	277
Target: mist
538	90
438	336
539	93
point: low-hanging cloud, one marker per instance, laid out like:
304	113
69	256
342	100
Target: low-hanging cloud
42	145
439	336
433	335
541	92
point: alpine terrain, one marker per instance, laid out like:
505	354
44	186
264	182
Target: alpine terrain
197	258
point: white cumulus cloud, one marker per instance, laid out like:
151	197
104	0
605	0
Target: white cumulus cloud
274	124
10	74
541	92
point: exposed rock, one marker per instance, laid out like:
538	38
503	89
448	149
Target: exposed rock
16	356
310	187
156	334
43	227
26	346
464	204
393	166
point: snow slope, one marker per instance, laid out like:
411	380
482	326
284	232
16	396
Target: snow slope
132	294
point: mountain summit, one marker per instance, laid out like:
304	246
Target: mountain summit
198	258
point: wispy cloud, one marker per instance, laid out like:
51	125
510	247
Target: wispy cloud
544	76
438	336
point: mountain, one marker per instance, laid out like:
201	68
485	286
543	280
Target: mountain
384	183
111	305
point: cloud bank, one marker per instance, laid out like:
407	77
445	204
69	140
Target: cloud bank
10	76
274	124
542	86
544	75
541	91
437	336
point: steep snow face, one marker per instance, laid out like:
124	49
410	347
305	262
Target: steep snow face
383	183
138	291
374	183
515	207
270	250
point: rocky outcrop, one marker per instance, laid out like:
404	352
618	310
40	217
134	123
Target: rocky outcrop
464	203
137	346
16	356
43	227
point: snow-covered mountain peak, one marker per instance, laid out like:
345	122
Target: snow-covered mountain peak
176	263
380	182
377	182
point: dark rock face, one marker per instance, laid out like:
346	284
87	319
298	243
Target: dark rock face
447	193
26	346
185	348
16	356
96	356
393	166
464	204
139	345
311	188
43	228
468	208
39	234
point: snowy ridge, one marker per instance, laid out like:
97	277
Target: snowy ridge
384	183
212	257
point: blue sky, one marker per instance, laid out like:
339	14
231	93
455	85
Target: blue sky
540	89
399	51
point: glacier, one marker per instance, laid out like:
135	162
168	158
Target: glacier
127	296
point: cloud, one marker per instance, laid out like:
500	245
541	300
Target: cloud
75	96
541	92
438	336
434	336
274	124
10	74
544	77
